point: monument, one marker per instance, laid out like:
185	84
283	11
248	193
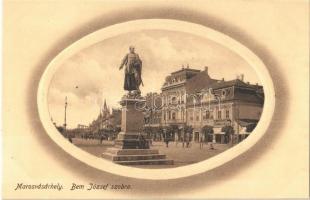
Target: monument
132	146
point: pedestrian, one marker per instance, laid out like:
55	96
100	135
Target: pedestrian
183	137
101	139
212	141
143	143
176	139
140	142
151	141
190	139
201	139
167	139
187	138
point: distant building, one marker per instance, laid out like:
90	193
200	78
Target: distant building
81	126
115	118
106	122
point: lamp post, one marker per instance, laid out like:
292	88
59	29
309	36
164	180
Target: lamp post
218	97
65	124
237	107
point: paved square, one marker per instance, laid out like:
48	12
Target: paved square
181	156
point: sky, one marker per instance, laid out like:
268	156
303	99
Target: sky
92	75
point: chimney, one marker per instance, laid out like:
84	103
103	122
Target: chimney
223	80
241	77
206	69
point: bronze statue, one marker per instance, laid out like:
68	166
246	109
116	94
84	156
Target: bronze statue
133	71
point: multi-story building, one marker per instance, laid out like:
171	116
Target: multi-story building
152	109
175	92
225	103
192	98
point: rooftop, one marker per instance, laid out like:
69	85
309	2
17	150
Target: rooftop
185	70
181	76
235	82
199	82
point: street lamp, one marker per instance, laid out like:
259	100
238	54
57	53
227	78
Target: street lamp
65	124
237	107
218	98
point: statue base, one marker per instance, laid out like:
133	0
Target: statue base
132	146
131	141
136	156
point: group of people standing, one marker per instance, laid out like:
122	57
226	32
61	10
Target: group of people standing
204	140
185	138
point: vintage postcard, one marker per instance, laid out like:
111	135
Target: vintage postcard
127	100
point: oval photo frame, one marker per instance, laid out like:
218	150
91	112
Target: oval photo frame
169	25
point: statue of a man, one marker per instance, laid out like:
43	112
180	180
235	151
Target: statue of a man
133	69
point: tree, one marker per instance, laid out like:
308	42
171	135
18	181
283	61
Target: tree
147	129
208	132
208	129
117	129
229	131
188	129
61	129
250	127
174	128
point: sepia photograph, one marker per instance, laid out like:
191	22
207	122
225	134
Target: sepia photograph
155	99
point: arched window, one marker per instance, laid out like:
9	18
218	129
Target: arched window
227	114
219	114
173	115
174	99
207	114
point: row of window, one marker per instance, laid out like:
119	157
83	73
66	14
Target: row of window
208	115
171	115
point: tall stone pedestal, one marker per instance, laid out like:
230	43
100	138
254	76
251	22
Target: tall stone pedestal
131	144
132	124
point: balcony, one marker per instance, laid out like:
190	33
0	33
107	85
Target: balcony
222	122
173	121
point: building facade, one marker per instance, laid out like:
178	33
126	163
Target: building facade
106	124
191	98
